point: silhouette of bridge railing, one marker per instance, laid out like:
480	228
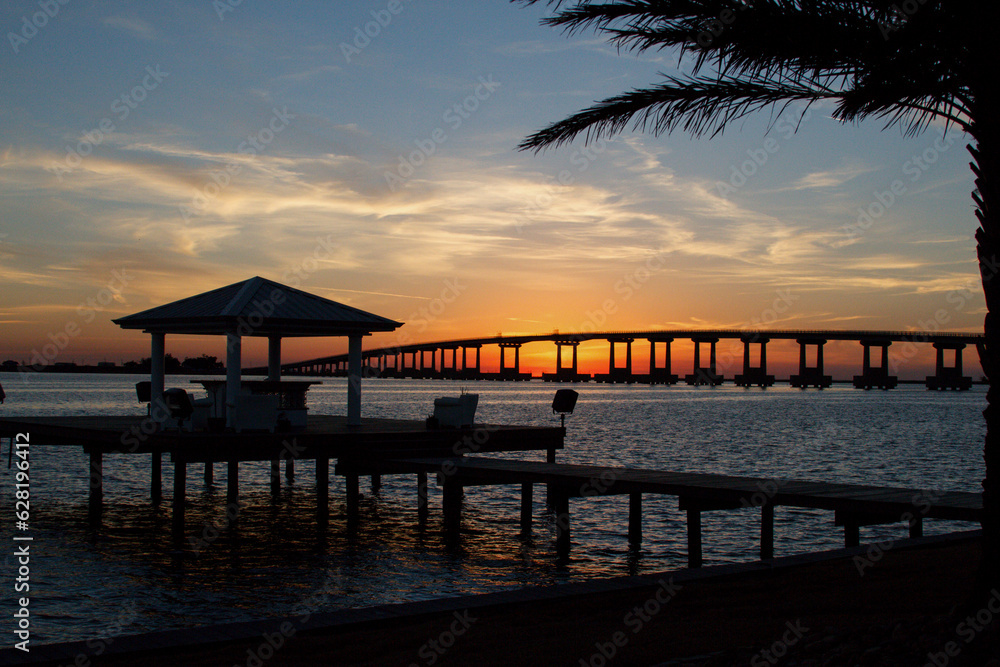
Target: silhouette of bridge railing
410	360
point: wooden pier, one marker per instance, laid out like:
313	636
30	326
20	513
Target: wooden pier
382	446
325	438
854	505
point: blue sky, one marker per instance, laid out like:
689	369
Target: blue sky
267	140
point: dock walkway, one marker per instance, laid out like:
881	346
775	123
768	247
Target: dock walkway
854	505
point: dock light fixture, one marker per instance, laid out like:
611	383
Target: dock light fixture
563	403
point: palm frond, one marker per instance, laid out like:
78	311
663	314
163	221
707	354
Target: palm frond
699	106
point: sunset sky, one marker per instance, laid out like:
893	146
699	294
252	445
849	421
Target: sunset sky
365	151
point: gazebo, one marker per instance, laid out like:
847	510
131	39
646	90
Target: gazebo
262	308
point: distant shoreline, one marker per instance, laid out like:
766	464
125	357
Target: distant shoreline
110	370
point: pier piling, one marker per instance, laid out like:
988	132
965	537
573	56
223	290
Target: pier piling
766	531
180	491
352	494
451	499
322	489
560	506
422	492
96	482
694	537
155	477
635	518
233	482
527	491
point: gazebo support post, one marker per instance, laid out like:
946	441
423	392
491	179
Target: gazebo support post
274	358
234	361
354	380
157	383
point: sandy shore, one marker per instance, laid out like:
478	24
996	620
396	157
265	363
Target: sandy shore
818	613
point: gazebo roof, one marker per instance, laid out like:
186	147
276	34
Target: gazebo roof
257	307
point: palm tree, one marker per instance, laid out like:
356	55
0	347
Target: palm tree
906	62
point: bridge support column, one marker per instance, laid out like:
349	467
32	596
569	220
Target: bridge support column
658	374
467	372
704	375
811	376
512	373
754	376
566	373
948	377
616	373
877	378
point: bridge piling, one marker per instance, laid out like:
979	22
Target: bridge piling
704	374
509	372
754	376
568	373
658	374
875	377
811	376
949	377
616	373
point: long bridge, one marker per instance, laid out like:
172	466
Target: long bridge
411	361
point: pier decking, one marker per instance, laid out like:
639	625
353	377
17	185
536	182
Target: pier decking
854	505
325	438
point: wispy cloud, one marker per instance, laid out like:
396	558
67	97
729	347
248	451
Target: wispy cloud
133	26
831	178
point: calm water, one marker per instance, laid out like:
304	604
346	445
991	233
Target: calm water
126	576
